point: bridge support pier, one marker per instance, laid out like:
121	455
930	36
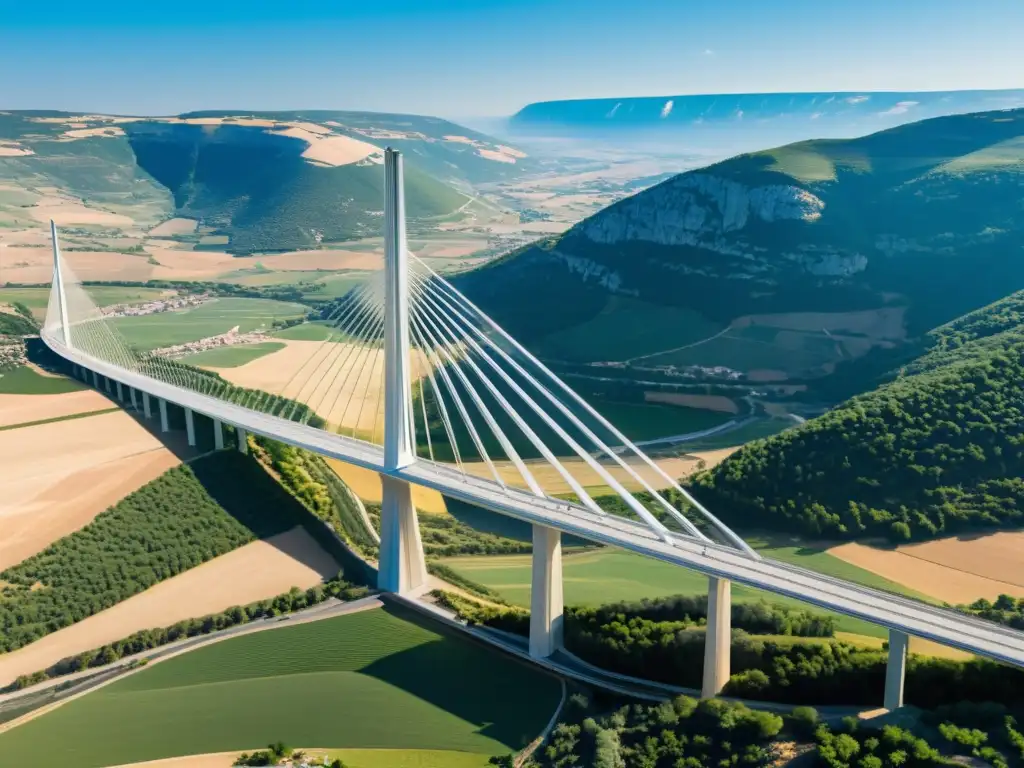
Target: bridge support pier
164	424
546	607
95	380
401	568
190	427
243	440
218	434
717	641
147	410
106	385
896	669
120	391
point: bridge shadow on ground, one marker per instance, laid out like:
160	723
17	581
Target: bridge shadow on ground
506	699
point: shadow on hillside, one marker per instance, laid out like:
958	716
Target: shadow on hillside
497	694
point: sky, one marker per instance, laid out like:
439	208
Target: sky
487	58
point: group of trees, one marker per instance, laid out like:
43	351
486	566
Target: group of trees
444	536
1006	610
683	732
938	450
275	753
148	639
308	477
189	515
946	737
669	648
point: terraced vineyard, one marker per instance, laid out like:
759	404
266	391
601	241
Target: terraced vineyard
340	683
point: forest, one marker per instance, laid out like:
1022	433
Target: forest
819	670
187	516
937	450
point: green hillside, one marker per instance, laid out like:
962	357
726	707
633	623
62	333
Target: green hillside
244	178
431	145
937	450
340	682
909	227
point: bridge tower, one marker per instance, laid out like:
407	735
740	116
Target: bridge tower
401	567
58	286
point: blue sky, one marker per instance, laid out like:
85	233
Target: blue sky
477	58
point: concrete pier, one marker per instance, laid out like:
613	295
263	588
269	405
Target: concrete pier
120	391
402	568
190	427
132	396
717	643
243	440
218	434
546	604
896	669
146	408
164	424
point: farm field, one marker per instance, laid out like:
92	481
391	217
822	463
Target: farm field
649	421
22	409
954	570
255	571
57	477
102	295
610	575
26	380
353	758
218	316
307	332
232	356
338	683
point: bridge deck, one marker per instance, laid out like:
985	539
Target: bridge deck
893	611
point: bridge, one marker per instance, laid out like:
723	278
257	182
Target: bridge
459	406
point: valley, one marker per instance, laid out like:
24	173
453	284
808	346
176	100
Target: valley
740	322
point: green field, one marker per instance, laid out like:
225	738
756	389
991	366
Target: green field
627	328
379	679
232	357
209	319
649	421
36	299
25	381
612	575
306	332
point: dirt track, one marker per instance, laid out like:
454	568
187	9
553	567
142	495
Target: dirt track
254	572
57	477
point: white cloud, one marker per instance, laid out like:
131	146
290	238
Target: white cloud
614	110
708	52
739	114
856	99
815	115
667	109
900	108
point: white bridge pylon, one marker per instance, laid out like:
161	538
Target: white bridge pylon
412	380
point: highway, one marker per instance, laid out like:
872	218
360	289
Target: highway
889	610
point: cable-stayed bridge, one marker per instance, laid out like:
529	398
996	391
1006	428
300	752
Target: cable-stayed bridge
414	381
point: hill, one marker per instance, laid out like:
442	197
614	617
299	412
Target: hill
781	264
245	183
938	450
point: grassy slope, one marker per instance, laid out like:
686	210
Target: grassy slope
208	319
234	356
376	679
597	578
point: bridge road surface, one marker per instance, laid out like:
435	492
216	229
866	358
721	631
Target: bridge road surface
892	611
